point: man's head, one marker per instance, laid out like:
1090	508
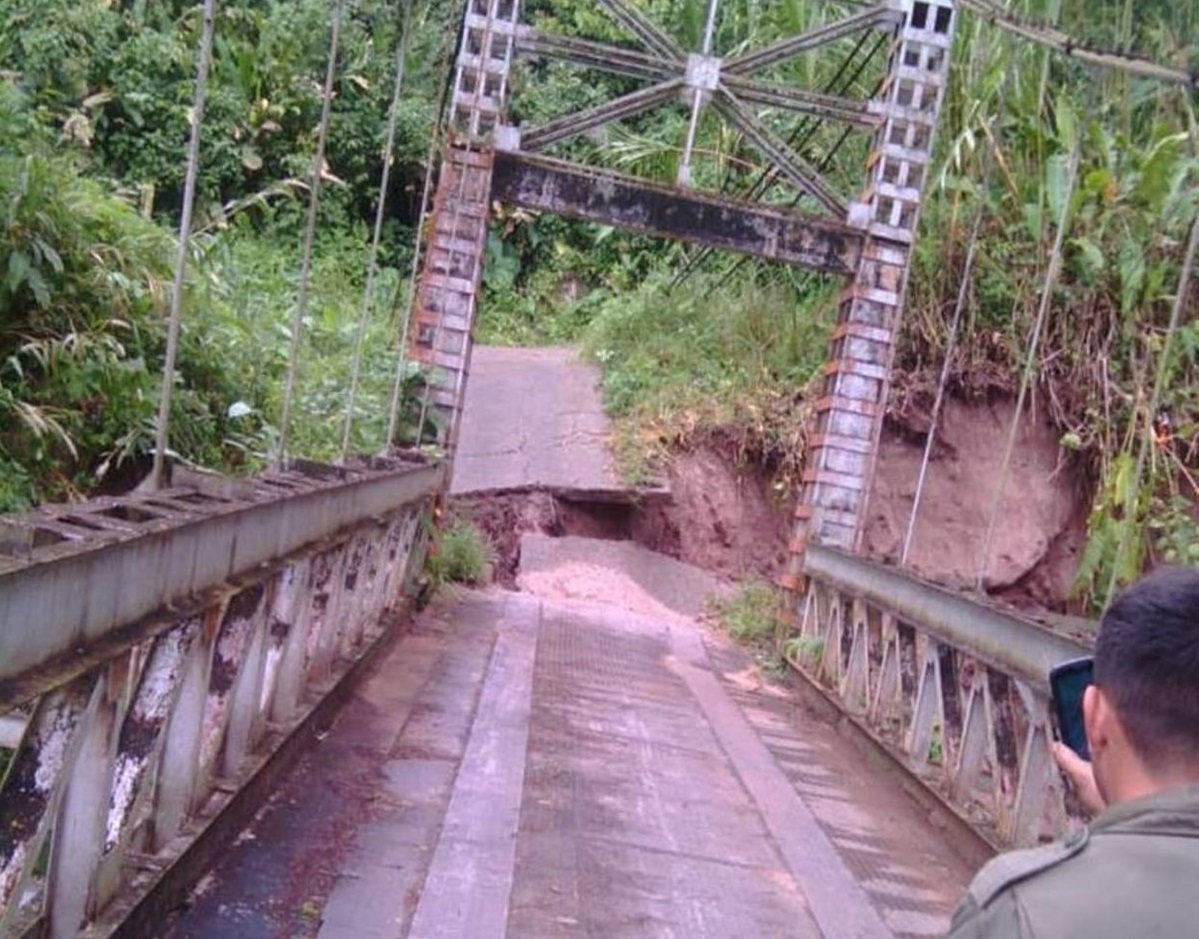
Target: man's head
1142	714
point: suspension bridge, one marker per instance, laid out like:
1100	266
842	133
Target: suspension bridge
515	763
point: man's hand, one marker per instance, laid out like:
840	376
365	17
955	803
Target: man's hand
1081	776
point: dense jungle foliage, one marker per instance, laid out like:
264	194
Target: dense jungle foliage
95	98
95	103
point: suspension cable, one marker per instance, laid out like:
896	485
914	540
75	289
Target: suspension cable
988	176
418	242
1045	35
1034	341
803	134
203	63
697	102
372	267
318	168
950	349
771	175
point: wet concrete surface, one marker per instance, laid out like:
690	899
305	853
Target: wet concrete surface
366	803
583	759
533	418
532	767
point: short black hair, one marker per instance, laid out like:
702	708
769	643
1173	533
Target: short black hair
1147	661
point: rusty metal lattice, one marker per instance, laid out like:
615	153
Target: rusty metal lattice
957	691
865	239
156	649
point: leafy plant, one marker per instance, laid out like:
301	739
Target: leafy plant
752	614
460	554
806	651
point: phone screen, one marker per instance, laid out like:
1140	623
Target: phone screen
1068	682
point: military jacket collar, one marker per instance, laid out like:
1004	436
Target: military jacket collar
1174	812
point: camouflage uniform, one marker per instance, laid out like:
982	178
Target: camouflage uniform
1133	873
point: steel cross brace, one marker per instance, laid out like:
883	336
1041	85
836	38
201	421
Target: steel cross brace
626	106
630	64
814	104
613	59
668	66
821	36
789	164
646	31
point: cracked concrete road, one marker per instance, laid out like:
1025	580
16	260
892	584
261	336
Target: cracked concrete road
533	418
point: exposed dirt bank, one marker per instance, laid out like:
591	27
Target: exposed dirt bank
733	521
1040	530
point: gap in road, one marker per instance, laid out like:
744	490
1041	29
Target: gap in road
581	753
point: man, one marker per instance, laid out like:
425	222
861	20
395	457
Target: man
1134	872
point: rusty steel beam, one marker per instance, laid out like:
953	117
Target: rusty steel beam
607	198
789	164
882	14
645	30
613	59
619	109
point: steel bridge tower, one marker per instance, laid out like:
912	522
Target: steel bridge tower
866	239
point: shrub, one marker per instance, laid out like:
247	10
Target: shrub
752	615
461	555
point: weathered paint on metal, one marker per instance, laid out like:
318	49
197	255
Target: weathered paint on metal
953	689
56	597
1020	647
655	209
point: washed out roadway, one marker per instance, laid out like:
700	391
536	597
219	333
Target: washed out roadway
579	760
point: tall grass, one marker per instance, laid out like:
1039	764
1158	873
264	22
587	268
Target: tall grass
684	364
1021	111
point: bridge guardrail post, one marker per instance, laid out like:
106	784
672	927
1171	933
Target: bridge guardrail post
130	723
292	618
183	736
955	690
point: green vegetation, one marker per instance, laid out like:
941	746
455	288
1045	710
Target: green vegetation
95	101
753	617
752	614
460	554
731	351
804	651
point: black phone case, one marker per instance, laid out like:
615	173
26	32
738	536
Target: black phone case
1068	683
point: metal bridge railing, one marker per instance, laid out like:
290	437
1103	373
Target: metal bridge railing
955	690
157	650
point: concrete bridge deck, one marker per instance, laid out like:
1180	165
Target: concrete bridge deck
523	767
584	758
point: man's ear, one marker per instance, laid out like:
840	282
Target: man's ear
1097	717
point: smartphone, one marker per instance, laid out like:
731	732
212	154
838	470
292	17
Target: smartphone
1068	682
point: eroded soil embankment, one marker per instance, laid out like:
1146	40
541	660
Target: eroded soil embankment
734	521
